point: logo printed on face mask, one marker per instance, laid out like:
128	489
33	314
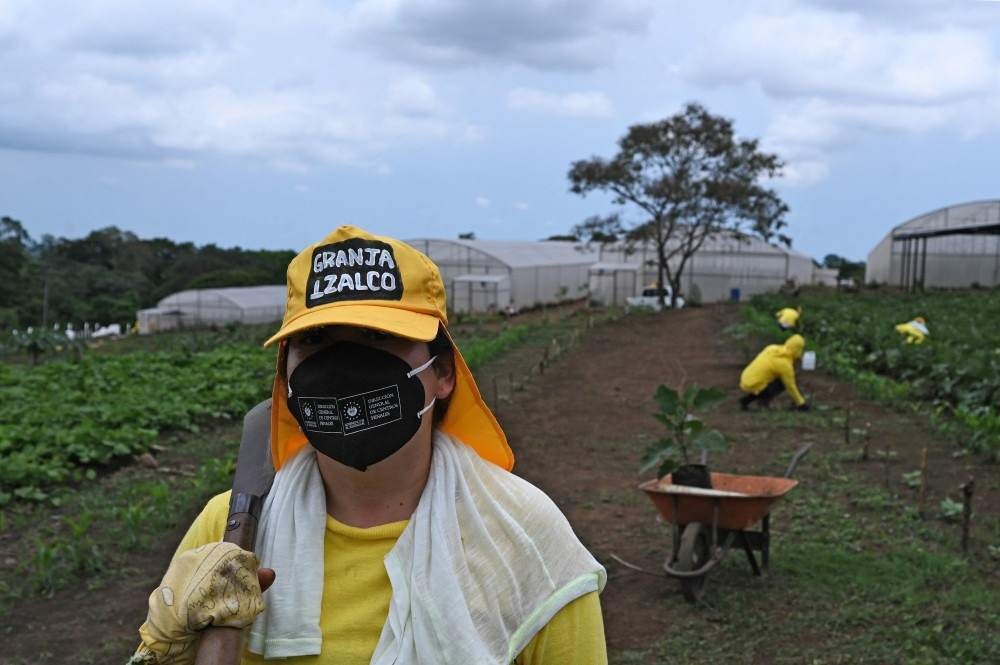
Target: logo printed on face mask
350	415
353	269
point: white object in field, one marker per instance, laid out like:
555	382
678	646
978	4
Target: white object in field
699	491
113	330
809	360
650	299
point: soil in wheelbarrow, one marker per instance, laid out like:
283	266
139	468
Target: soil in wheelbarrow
579	430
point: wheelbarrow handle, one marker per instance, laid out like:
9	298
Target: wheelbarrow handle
796	458
708	565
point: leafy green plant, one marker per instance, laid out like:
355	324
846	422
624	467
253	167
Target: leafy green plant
113	406
45	568
951	510
956	372
685	430
913	479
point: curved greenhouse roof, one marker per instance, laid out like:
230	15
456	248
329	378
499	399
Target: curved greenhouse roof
538	273
973	218
244	297
208	307
955	246
512	253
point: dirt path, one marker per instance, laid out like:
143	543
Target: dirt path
580	429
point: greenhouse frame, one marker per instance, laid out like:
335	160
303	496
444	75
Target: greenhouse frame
521	274
199	308
726	267
953	247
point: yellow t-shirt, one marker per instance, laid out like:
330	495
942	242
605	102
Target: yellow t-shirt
357	591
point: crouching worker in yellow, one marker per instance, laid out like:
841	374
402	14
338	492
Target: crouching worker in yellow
788	318
914	331
771	372
394	531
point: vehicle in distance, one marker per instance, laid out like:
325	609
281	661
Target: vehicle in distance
650	299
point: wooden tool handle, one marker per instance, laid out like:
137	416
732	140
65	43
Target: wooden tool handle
221	645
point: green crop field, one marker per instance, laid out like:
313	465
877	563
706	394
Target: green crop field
66	420
956	370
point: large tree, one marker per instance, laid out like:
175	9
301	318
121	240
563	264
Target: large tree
690	178
15	261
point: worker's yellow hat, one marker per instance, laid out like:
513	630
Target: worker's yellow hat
354	278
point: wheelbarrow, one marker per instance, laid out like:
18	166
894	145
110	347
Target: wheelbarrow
705	523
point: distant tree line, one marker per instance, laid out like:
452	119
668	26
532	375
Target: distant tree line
109	274
846	269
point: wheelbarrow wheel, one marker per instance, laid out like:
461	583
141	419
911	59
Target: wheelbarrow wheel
691	555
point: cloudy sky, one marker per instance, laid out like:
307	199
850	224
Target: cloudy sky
267	123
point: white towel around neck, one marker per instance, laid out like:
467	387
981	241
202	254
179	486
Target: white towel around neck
486	560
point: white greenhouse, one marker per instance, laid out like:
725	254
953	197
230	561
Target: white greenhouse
500	275
954	247
199	308
727	267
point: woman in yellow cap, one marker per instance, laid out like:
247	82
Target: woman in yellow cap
771	372
914	331
394	531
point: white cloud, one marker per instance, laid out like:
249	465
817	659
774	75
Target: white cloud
483	202
520	205
578	104
828	53
412	96
837	76
184	80
544	34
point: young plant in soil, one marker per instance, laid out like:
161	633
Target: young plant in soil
686	435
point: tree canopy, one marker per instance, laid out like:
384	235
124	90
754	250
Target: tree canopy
846	269
109	274
689	178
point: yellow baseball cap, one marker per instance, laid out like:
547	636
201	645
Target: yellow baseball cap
355	278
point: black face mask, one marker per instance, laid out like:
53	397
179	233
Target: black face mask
357	404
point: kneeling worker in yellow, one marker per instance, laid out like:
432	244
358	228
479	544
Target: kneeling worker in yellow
914	331
771	372
788	318
394	531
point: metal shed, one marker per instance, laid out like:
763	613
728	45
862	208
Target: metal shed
951	247
725	264
612	283
537	273
480	293
196	308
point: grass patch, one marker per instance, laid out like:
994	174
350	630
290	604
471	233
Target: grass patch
856	577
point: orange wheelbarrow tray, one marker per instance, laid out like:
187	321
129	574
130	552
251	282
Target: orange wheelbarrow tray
705	522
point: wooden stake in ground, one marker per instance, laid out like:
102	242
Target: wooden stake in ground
496	397
847	426
545	359
967	490
886	454
921	501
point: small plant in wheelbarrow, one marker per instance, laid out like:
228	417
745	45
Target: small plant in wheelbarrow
686	435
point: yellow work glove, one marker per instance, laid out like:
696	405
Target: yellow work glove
215	585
